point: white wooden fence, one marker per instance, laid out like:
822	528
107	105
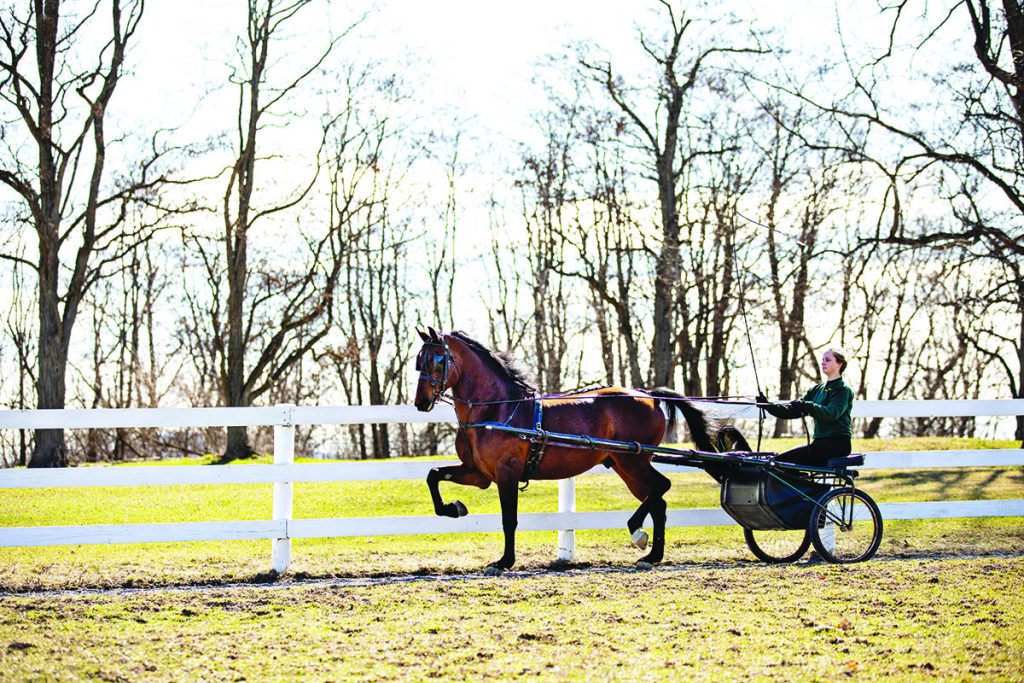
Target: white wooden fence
282	527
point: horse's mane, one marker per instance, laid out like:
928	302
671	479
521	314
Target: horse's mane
503	362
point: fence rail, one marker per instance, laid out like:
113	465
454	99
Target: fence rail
284	472
171	418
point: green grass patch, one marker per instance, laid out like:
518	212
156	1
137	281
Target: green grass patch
896	620
209	502
224	562
711	612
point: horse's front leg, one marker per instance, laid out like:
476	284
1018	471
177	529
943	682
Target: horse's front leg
457	474
508	494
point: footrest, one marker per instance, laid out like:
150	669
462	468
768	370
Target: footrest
854	460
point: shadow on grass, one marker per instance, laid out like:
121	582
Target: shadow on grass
272	579
967	483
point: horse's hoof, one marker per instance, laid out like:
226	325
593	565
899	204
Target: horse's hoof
639	539
454	510
491	570
644	566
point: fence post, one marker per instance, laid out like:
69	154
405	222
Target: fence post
284	454
567	503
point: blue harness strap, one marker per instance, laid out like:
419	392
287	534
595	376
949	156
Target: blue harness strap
537	446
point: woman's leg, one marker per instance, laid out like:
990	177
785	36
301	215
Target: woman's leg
801	455
832	447
818	452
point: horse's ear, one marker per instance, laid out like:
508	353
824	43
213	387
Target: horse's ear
433	334
423	335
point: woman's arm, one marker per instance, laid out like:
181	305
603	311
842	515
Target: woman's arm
838	403
785	410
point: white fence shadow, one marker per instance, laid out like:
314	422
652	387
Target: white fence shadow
284	472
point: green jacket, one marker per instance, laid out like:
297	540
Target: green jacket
829	404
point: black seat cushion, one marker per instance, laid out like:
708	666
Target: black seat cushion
854	460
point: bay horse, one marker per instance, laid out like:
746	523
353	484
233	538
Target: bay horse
486	386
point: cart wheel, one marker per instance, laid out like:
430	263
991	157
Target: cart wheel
777	546
846	526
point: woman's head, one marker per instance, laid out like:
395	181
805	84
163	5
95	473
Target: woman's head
833	361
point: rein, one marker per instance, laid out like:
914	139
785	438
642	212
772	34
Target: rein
445	360
435	362
723	400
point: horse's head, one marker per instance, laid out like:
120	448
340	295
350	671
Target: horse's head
434	362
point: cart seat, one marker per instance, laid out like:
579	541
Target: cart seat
853	460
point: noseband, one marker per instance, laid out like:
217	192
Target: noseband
444	358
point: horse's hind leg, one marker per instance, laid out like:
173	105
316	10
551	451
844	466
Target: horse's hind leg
457	474
649	486
658	509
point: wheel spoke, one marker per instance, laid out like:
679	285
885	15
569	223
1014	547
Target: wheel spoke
847	527
777	545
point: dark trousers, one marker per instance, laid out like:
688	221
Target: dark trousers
818	451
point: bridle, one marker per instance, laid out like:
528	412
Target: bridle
440	355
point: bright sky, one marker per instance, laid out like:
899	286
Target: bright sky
476	56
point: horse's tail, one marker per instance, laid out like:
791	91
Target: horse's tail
696	420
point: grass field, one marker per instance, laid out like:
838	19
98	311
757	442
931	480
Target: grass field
892	620
942	599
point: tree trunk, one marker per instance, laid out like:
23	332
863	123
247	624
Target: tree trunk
667	269
379	432
50	449
236	239
1019	433
236	395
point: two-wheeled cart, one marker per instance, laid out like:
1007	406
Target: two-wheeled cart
783	508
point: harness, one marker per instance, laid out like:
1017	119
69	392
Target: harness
441	356
444	359
437	355
538	437
537	446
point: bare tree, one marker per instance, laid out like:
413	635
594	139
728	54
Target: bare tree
58	108
601	240
710	269
661	135
369	163
442	250
894	296
261	320
508	322
131	364
546	188
17	328
970	154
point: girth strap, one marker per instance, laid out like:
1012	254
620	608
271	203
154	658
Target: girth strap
537	446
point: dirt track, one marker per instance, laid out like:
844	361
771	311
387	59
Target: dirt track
269	582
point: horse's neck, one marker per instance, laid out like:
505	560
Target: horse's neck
478	383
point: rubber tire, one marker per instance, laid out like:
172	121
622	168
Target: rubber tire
875	518
765	556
